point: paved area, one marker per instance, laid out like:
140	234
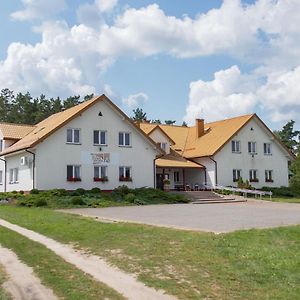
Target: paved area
216	218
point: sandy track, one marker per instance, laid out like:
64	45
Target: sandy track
126	284
22	283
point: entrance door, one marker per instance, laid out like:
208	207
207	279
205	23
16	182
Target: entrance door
160	181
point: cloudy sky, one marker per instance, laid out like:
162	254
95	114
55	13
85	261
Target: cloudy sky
175	59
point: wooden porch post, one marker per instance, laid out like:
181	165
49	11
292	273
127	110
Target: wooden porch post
183	175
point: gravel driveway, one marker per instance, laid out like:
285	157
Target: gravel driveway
216	218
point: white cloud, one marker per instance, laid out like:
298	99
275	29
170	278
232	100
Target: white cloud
281	95
39	9
71	59
228	94
63	63
106	5
135	100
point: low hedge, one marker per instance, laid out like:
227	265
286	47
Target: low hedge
122	195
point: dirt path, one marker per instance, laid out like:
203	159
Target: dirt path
22	284
125	284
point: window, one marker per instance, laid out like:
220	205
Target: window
252	147
73	136
125	174
253	176
100	137
267	149
163	146
236	174
1	175
1	145
124	139
14	175
236	146
73	173
269	176
100	173
176	177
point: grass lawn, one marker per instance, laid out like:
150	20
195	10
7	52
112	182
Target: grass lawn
283	199
254	264
3	294
65	280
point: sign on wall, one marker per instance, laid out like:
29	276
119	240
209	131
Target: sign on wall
100	158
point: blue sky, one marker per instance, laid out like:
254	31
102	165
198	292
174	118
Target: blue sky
176	59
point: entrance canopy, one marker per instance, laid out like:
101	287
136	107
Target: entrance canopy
170	163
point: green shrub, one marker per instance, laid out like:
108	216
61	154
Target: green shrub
34	191
77	200
40	202
59	192
282	191
120	192
130	198
95	190
21	192
139	202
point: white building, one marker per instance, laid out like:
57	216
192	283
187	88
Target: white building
94	144
219	153
91	145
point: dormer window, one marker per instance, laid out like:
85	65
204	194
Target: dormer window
163	146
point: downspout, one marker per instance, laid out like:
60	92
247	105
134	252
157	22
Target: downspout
216	169
33	168
5	176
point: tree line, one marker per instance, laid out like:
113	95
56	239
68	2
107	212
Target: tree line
24	109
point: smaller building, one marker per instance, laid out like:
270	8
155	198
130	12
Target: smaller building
219	153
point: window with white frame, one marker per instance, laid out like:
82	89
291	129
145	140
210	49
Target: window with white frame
100	172
100	137
125	174
74	173
252	147
253	175
1	177
236	146
267	149
1	145
124	139
73	136
176	177
269	175
163	146
14	175
236	174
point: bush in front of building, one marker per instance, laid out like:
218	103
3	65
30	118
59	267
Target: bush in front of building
282	191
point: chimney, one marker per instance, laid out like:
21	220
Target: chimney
199	127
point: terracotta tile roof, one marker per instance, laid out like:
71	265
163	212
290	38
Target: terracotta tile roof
148	128
217	134
48	126
12	131
174	160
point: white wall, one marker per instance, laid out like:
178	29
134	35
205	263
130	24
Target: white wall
53	155
210	170
25	182
278	161
157	136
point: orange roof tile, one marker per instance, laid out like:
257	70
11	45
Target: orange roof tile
12	131
217	134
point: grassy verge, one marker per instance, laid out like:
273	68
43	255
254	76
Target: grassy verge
283	199
3	294
255	264
66	281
